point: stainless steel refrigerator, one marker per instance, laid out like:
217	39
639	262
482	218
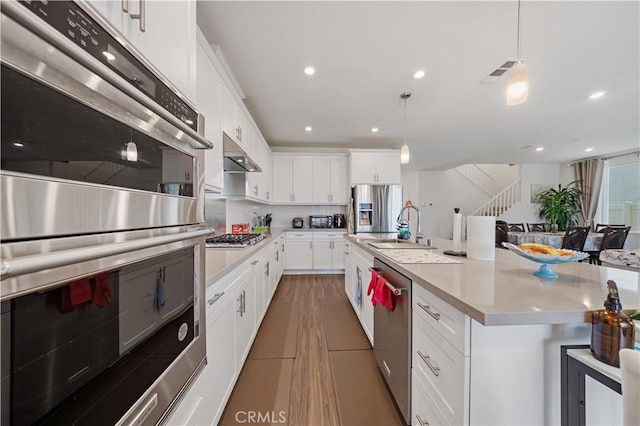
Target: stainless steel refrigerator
376	207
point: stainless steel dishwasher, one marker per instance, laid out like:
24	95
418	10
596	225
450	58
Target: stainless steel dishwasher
392	338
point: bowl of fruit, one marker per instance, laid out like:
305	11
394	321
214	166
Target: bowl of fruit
547	255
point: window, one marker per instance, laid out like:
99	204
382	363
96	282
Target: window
620	197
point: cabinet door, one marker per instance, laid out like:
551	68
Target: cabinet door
388	168
282	179
337	254
266	187
176	167
168	40
363	167
322	254
209	102
302	179
245	316
366	307
350	278
258	271
339	183
321	180
299	254
229	125
110	10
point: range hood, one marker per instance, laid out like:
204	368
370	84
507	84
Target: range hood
235	159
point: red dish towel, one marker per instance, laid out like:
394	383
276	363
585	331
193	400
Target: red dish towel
75	294
101	290
383	294
372	286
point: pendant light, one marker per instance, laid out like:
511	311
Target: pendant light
404	152
518	80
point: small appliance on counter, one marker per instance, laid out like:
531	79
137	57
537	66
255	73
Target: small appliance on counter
339	221
320	221
611	329
240	228
297	222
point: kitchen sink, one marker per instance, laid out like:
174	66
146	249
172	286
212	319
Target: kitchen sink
397	244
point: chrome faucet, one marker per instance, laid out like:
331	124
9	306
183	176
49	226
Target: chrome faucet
419	234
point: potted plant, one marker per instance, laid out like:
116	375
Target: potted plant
560	206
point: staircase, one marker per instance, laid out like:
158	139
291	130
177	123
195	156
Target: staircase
502	202
105	171
477	176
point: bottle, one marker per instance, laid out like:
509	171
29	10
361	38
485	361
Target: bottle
611	329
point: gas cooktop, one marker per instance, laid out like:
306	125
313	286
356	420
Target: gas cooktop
234	240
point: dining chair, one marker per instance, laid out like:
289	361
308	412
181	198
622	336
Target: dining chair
600	227
575	237
630	375
516	227
502	233
612	238
536	227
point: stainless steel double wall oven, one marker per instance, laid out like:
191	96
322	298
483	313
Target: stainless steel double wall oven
102	256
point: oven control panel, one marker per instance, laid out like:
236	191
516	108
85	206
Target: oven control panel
76	25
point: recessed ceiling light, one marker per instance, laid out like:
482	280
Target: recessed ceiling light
597	95
418	74
588	150
374	129
18	144
309	71
540	148
308	128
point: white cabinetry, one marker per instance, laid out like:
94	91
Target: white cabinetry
357	277
330	184
374	167
328	250
299	250
209	103
176	167
165	34
259	184
235	123
292	179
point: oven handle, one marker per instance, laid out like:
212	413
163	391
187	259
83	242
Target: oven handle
40	262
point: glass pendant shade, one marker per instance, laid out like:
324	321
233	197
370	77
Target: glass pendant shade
404	154
517	84
131	152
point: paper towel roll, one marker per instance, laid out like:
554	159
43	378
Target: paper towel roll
481	237
457	231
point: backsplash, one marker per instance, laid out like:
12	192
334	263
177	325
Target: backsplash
243	212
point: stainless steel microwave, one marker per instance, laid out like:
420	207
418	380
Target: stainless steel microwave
320	221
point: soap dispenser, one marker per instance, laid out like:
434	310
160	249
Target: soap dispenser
611	329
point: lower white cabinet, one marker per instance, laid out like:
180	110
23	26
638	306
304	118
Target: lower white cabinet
424	410
299	250
357	277
328	250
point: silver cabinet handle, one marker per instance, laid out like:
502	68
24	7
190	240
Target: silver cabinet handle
275	242
255	262
311	245
421	422
255	190
125	6
347	253
426	358
215	298
267	195
244	301
239	299
428	310
142	16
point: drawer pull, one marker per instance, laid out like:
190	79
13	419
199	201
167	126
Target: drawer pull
425	358
215	298
420	421
428	310
254	263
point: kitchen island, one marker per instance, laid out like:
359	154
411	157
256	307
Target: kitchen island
489	351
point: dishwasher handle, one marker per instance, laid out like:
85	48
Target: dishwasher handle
394	290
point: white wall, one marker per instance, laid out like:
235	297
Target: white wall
503	174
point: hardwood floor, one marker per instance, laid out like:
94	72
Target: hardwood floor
313	397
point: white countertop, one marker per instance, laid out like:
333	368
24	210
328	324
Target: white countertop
505	291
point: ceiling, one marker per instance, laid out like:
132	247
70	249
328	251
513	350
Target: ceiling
365	54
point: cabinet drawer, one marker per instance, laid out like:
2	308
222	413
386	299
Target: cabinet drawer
424	411
452	324
443	370
328	235
299	236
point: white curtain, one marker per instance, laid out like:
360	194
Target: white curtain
588	173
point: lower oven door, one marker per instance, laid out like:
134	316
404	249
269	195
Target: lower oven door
103	329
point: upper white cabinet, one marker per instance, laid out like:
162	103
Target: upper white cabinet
330	184
375	167
164	33
259	183
209	103
292	179
309	179
235	123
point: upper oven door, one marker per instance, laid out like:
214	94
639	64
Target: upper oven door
92	139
